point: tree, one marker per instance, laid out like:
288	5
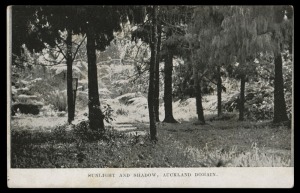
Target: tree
255	30
218	56
96	116
274	33
204	26
282	36
219	90
239	33
99	23
23	31
45	25
169	54
154	37
172	19
156	84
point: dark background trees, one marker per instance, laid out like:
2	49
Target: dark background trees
208	39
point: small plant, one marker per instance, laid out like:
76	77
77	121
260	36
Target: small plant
83	132
122	111
58	100
108	113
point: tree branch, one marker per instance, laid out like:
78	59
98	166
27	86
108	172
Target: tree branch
74	55
173	26
61	51
53	61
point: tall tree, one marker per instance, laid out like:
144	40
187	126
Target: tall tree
152	77
156	84
96	116
69	59
205	24
173	20
239	33
274	30
219	90
23	30
44	24
168	91
100	23
281	36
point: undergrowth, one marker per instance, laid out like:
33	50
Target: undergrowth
82	148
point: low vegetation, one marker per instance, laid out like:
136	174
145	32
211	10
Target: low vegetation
217	144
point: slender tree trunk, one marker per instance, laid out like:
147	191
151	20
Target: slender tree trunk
44	71
71	109
280	114
197	90
168	89
95	114
151	109
219	90
198	95
156	85
242	98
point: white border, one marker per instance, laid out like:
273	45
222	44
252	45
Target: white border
260	177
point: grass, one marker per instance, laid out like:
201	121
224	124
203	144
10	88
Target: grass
220	144
37	142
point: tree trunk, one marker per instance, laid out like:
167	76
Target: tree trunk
152	76
219	90
280	114
242	98
44	71
168	89
198	94
95	114
156	84
71	109
197	91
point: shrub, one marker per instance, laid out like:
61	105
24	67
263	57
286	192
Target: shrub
108	113
25	108
122	111
83	132
45	86
58	100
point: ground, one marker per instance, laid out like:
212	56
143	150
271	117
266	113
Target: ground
218	143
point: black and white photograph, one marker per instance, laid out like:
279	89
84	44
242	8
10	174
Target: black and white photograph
150	96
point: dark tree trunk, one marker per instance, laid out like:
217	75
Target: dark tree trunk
198	94
71	109
197	90
242	98
280	114
44	71
156	84
168	89
152	77
219	90
95	114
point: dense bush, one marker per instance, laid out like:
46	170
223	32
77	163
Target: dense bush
44	86
57	99
25	108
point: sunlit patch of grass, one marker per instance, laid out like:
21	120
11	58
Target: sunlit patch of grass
255	157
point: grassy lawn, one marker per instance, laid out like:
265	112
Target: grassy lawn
225	143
